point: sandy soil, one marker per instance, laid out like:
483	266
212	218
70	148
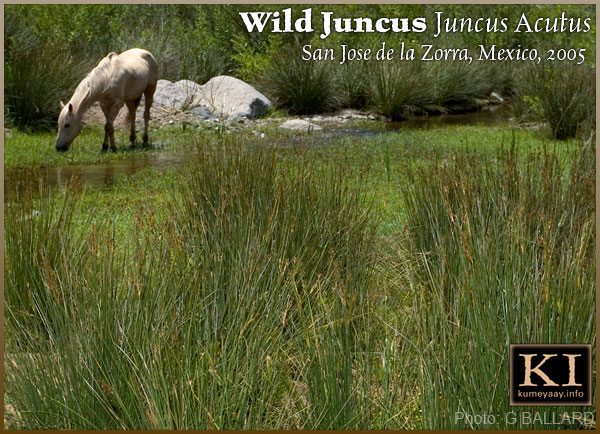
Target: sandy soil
158	116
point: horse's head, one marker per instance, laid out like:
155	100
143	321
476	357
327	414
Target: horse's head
69	126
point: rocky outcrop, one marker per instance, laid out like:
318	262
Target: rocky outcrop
224	96
230	97
299	125
178	95
495	98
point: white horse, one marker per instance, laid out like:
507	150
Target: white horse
118	79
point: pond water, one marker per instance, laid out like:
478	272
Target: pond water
20	182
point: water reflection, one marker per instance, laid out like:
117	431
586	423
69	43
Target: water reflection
25	182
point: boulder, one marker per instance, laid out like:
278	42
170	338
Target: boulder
181	94
299	125
169	94
496	98
231	97
222	95
202	112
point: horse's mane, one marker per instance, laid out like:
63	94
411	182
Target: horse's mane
95	82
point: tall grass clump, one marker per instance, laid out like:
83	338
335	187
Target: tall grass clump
563	95
282	248
353	84
243	305
458	85
203	65
35	265
299	86
507	254
179	56
36	79
397	88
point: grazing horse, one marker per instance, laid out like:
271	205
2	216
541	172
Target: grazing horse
118	79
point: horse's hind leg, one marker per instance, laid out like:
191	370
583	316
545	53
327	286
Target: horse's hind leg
132	107
149	97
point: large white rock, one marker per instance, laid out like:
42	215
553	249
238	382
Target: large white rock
169	94
231	97
299	125
224	95
496	98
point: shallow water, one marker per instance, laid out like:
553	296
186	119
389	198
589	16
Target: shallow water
22	182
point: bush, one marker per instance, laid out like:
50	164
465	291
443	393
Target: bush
299	86
352	82
37	78
396	87
562	95
457	85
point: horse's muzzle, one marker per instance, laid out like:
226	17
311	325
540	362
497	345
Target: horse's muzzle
62	147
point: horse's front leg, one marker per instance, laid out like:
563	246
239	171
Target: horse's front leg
109	130
105	109
106	137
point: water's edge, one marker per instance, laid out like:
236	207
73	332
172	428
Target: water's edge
19	182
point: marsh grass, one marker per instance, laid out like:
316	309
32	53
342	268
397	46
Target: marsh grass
353	83
36	80
298	86
182	56
396	87
458	85
245	308
563	96
397	90
506	254
371	284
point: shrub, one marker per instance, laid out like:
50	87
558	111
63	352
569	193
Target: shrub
396	87
352	82
299	86
251	62
37	78
563	95
457	85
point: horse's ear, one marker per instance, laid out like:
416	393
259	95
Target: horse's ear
62	105
70	107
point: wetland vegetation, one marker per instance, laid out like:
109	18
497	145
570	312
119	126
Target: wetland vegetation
269	287
357	277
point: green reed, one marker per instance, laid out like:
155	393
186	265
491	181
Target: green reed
506	253
243	309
